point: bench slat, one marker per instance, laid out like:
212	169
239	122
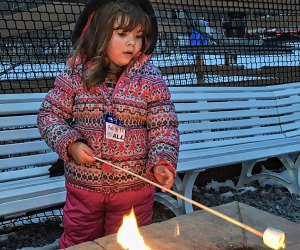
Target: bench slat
22	206
29	160
289	100
196	89
19	175
221	96
295	125
286	91
191	116
238	148
277	90
12	186
20	134
240	124
289	109
18	121
290	117
203	106
292	133
26	192
22	98
282	87
20	108
233	157
229	134
220	143
24	147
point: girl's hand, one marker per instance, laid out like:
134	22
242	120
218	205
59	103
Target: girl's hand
81	153
164	176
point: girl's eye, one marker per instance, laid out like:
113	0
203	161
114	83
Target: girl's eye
122	33
139	36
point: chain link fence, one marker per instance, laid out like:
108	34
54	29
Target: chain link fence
209	43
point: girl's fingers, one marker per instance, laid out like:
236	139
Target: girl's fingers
163	176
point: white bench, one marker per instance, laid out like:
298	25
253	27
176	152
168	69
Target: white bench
226	125
218	125
25	185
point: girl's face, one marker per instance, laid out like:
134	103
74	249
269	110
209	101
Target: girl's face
124	45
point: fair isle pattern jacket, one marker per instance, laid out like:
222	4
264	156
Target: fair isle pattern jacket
140	100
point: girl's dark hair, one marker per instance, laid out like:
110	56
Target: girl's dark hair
93	42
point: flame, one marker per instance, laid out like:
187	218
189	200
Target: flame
129	236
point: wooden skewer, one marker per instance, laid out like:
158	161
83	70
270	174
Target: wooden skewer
225	217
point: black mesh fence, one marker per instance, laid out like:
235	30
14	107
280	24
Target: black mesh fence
208	43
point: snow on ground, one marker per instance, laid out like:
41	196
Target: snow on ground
29	71
215	185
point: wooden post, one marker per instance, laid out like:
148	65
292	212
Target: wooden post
200	69
230	58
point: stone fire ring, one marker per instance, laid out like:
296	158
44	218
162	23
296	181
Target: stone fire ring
202	230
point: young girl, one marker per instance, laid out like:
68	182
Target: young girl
111	102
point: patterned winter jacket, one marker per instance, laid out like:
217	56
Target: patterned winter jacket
140	100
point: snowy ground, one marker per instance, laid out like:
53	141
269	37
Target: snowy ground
32	71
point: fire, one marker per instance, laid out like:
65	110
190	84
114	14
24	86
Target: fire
129	236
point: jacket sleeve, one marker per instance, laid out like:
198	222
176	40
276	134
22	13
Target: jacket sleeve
162	125
55	115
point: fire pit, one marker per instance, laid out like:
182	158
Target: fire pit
202	230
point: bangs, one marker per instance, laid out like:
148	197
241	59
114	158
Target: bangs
131	19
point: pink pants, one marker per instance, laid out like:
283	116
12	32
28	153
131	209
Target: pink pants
90	215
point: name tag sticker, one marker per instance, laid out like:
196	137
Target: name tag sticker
114	129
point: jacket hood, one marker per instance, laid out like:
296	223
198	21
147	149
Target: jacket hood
90	7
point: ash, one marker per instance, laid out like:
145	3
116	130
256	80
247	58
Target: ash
272	199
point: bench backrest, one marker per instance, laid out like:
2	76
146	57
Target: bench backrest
208	117
21	144
288	104
220	116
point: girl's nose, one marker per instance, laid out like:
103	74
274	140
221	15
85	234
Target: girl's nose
131	41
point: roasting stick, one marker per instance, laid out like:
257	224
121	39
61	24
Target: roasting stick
273	238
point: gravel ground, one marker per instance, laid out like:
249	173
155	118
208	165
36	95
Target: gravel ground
275	200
